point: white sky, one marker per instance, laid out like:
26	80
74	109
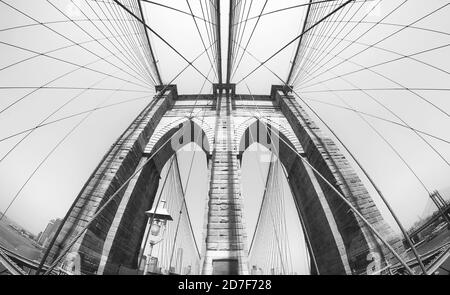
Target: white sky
51	190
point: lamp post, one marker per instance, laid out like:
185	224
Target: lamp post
158	218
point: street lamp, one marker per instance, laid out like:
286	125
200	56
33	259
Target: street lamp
158	218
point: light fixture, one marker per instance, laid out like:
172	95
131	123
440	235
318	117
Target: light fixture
158	217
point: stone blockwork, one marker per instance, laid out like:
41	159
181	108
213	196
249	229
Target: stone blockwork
340	242
225	235
359	242
118	164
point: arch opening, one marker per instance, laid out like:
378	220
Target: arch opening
179	251
124	243
263	182
337	242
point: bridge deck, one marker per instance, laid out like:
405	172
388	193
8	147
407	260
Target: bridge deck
9	265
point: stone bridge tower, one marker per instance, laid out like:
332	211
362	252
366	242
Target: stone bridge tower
224	124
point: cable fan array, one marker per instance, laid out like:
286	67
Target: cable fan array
177	252
270	249
351	54
90	55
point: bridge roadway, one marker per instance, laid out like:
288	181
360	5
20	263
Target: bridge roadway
15	263
9	265
435	254
414	233
433	259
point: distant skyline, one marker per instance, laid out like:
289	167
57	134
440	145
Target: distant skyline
432	209
7	218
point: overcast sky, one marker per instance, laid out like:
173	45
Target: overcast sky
53	187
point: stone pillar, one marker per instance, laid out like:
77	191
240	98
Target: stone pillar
326	239
119	163
123	241
226	250
359	244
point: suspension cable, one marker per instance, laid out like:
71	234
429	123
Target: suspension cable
364	171
162	39
304	160
295	39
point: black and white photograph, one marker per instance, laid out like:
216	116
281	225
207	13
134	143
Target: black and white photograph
223	145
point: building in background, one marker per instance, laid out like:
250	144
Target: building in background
38	236
49	231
